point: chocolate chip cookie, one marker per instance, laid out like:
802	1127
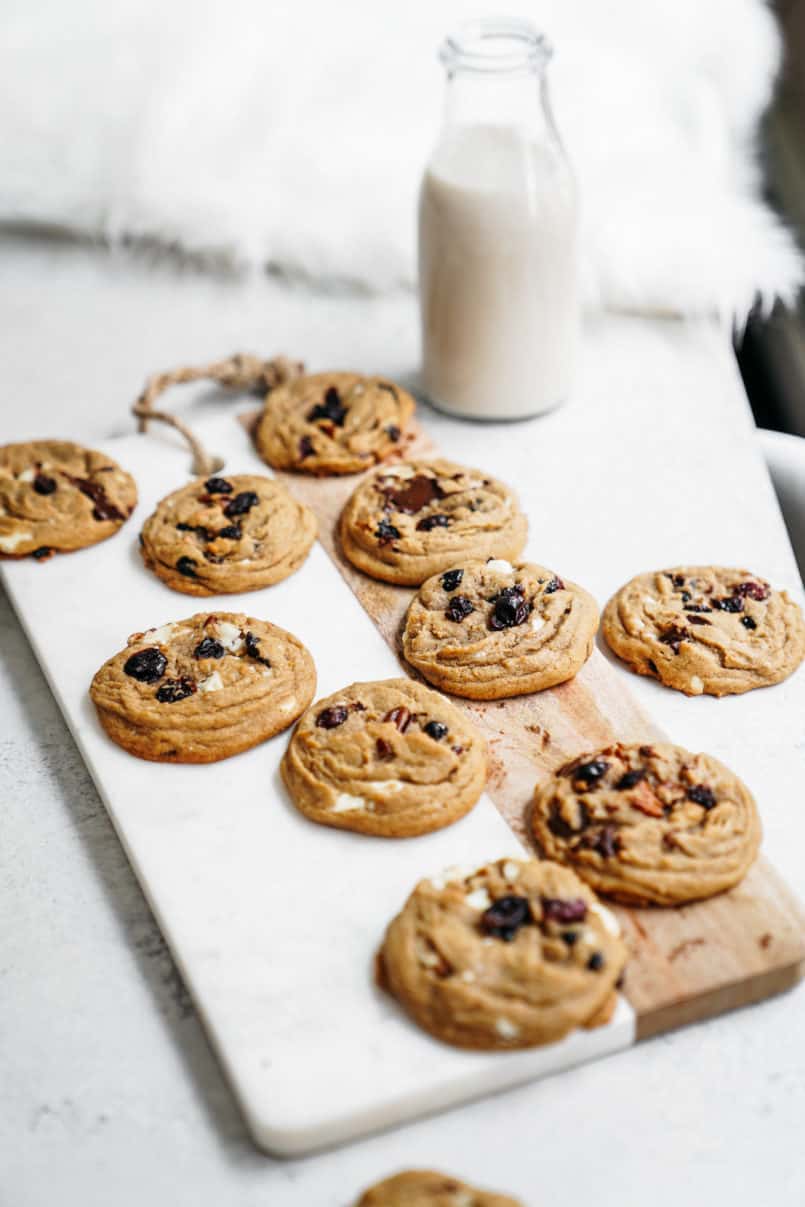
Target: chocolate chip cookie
513	955
487	630
407	522
391	758
202	689
56	497
648	825
224	535
333	423
426	1188
706	629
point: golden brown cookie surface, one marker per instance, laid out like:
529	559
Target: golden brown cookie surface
427	1188
390	758
333	423
706	629
202	689
648	824
489	629
513	955
222	535
58	496
407	522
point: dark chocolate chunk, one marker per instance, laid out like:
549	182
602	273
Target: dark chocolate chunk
218	486
630	778
306	447
332	409
232	532
42	553
331	718
187	567
104	508
674	636
241	503
698	620
748	622
451	579
589	773
413	494
429	522
436	730
253	649
729	603
146	665
595	962
44	485
208	647
386	532
393	432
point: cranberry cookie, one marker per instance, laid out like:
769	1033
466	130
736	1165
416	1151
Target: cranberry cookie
391	758
706	629
407	522
648	825
56	497
226	535
487	630
202	689
513	955
425	1188
333	423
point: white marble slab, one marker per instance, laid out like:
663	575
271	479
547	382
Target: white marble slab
273	921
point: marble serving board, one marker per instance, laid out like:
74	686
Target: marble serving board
273	921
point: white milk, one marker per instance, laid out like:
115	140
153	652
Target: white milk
498	273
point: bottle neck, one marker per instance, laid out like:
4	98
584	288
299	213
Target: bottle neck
516	101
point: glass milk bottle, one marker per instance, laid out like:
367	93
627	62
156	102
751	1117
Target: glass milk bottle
498	229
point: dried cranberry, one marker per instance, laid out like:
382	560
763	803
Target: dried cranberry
758	591
218	486
146	665
429	522
674	636
459	607
505	916
208	647
555	584
393	432
332	409
596	962
244	501
554	909
43	485
451	579
174	690
630	778
253	649
384	749
436	730
331	718
401	717
386	532
187	567
729	603
306	447
232	532
748	622
510	609
42	553
700	794
589	773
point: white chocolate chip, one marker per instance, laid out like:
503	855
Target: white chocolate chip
696	685
344	803
499	565
463	1198
387	786
479	899
607	917
437	883
228	634
161	636
506	1029
537	623
213	683
429	958
468	976
638	625
511	871
9	542
27	475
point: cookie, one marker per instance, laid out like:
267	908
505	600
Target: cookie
56	497
391	758
333	423
226	535
487	630
648	825
202	689
407	522
706	629
513	955
426	1188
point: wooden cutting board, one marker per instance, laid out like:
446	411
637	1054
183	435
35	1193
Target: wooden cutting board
687	964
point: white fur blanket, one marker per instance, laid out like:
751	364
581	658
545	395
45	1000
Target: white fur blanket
292	133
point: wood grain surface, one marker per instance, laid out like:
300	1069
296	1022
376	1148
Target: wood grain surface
688	963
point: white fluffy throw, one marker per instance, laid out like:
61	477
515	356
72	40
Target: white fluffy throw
293	133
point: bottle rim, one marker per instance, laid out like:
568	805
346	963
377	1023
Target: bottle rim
495	45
